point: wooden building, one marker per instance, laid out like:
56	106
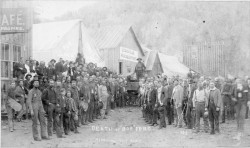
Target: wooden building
206	58
119	47
16	36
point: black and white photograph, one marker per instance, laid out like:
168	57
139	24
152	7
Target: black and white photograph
125	73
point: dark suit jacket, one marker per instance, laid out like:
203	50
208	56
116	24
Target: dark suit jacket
153	96
164	95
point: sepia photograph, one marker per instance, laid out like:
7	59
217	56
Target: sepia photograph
125	73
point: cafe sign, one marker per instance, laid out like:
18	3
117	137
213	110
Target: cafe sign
13	20
128	54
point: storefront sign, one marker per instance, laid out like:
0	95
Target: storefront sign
13	20
128	54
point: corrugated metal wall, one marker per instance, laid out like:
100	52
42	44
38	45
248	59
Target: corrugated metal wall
205	58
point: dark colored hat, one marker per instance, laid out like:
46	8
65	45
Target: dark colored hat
53	60
139	59
105	68
28	75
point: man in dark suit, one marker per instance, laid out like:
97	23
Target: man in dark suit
153	103
169	107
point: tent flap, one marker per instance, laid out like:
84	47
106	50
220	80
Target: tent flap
171	66
56	40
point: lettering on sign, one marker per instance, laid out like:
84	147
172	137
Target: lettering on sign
13	20
128	54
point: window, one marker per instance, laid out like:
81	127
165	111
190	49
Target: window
120	67
16	53
5	62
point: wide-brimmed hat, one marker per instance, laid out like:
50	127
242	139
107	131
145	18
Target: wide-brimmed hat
53	60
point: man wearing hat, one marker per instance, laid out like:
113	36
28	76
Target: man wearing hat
53	61
37	113
50	101
139	68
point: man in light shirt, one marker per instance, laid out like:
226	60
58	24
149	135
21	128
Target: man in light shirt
200	102
177	96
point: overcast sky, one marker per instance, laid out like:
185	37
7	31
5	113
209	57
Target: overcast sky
52	9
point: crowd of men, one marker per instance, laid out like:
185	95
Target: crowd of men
63	96
67	95
182	102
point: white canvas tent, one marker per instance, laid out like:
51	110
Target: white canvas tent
64	39
171	66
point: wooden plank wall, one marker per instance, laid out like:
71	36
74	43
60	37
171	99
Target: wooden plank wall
210	58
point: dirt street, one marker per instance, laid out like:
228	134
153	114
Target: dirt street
126	128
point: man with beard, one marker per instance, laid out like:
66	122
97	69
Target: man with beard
37	113
51	102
